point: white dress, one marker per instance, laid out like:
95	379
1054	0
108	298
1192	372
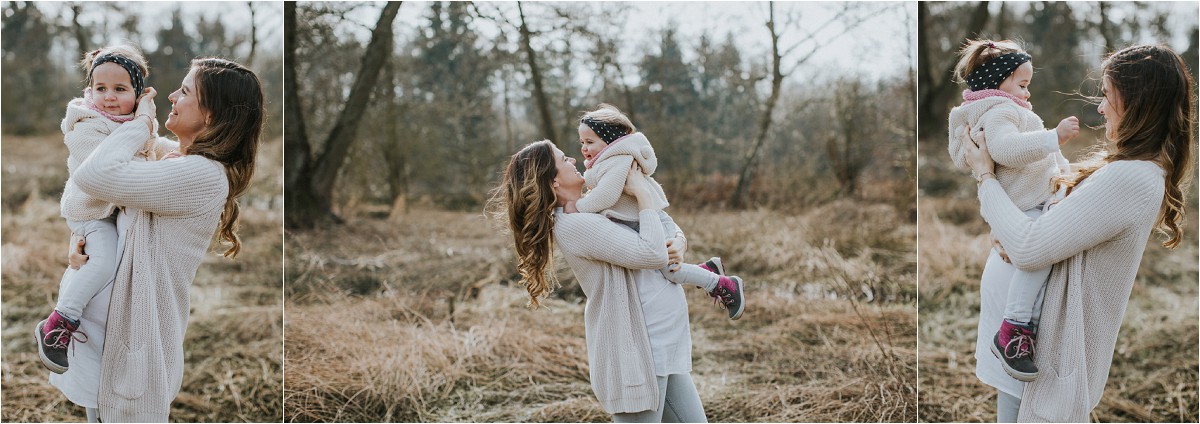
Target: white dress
993	295
81	383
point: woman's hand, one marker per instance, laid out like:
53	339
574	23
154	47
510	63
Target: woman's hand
676	247
978	157
638	186
75	256
145	107
999	249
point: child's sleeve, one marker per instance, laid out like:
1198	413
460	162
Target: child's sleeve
612	173
670	229
1011	147
164	146
82	138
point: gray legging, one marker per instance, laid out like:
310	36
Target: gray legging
678	402
1007	407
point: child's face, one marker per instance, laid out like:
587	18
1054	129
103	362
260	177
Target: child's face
590	144
1017	84
112	90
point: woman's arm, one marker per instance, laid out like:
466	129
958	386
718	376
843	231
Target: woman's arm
613	173
177	187
1011	147
1113	200
595	237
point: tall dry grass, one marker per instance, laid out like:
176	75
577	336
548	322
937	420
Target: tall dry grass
420	320
1154	371
233	348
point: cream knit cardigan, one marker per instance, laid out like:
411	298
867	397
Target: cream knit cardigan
83	130
174	207
601	253
1026	153
606	179
1094	238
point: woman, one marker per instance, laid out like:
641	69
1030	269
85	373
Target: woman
636	322
132	367
1094	237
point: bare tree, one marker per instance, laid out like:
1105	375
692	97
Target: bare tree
539	91
849	21
253	33
310	181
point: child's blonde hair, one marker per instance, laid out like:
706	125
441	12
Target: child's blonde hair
127	50
975	53
609	114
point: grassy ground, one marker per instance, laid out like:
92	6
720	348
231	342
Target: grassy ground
1154	370
233	349
420	320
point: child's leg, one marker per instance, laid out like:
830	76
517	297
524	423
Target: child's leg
1024	293
1025	289
102	251
692	275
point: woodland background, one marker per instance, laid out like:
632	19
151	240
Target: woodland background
402	298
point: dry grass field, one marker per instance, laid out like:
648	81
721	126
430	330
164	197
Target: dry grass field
420	320
233	348
1154	371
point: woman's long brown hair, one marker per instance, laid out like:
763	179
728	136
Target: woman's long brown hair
526	198
232	96
1157	120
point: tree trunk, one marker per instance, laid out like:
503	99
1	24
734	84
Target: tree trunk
738	198
539	91
253	34
80	33
936	88
310	186
1106	29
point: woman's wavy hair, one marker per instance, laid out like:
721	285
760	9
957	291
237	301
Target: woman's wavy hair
1157	123
232	96
526	199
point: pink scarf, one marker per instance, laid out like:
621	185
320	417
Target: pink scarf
588	163
972	96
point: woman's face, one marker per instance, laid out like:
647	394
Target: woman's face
112	90
1110	107
590	144
187	118
568	184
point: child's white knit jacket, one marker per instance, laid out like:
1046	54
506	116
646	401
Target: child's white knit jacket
606	179
83	130
1027	155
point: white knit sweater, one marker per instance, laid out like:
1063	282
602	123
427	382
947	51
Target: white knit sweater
606	179
83	130
1027	155
174	206
1094	238
608	261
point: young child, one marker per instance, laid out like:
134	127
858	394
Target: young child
116	76
1028	159
611	145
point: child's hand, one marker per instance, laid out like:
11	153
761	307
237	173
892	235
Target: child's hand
1067	129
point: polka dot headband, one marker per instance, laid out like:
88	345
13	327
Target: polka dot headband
995	71
135	72
607	132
